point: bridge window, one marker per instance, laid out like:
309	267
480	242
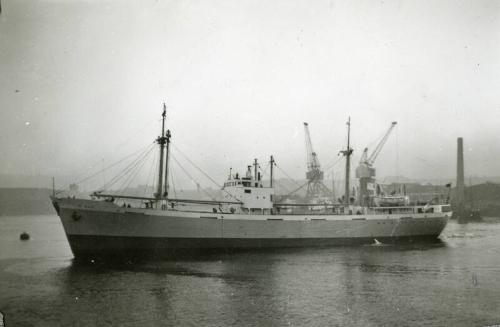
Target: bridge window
248	191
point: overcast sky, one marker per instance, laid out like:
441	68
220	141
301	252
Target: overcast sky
83	81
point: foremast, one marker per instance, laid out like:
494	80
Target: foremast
164	142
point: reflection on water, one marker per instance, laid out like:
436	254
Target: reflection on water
452	282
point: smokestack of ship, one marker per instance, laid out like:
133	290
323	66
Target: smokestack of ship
460	189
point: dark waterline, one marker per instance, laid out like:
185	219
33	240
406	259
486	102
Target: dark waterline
453	282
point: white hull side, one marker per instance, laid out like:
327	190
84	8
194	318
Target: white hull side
87	223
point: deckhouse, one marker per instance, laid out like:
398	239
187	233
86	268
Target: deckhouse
254	196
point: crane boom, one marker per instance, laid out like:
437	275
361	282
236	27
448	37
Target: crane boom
312	158
366	172
375	153
314	174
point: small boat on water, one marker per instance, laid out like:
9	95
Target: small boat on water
24	236
247	217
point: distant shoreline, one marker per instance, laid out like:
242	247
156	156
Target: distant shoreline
36	201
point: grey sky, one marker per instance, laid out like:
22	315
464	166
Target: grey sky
84	80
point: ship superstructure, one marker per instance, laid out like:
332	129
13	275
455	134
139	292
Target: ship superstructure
250	191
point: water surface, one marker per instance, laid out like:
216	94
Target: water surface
455	282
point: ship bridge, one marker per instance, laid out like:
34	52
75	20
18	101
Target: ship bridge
249	189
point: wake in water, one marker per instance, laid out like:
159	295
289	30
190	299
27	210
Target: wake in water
462	235
377	243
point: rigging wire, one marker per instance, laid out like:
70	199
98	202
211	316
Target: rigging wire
191	177
106	168
397	155
199	169
96	163
265	169
155	177
112	165
173	183
131	172
288	176
135	172
297	189
291	179
127	169
336	162
205	174
150	172
281	185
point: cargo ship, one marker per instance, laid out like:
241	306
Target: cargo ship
247	217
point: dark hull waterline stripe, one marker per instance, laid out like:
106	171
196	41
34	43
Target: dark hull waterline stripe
102	246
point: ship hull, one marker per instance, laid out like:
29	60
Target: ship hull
93	247
97	229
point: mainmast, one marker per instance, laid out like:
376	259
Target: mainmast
347	153
161	140
272	172
333	188
255	166
167	136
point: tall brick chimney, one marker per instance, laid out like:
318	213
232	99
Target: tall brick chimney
460	189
